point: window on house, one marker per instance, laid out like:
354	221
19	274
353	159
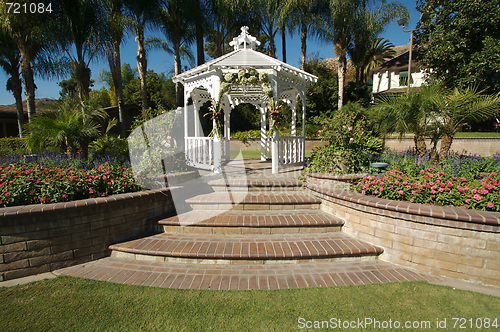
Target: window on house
403	78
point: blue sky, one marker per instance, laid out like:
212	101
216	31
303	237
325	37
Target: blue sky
159	61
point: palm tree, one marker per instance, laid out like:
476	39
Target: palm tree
305	14
26	30
456	107
143	14
178	27
351	26
379	51
407	114
268	11
83	29
10	61
67	129
116	26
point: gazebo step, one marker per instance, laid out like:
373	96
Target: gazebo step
252	222
244	201
245	248
256	185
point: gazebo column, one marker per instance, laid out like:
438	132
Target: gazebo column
263	134
303	125
294	118
227	132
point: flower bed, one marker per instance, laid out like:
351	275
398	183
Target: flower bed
32	183
433	186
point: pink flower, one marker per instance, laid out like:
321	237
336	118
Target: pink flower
91	191
493	174
362	192
319	131
179	108
412	200
422	171
349	128
375	192
7	194
401	192
484	191
64	196
490	205
351	139
344	127
477	197
381	189
164	111
169	137
324	127
467	201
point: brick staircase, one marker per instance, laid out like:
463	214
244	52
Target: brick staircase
275	222
245	234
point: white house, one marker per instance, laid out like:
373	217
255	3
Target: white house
392	76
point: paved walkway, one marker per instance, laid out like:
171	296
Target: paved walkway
242	277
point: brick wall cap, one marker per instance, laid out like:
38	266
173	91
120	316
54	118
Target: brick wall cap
443	212
36	208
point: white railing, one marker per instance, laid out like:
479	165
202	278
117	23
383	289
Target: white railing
201	152
291	150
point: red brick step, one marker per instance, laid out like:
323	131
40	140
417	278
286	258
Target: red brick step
246	247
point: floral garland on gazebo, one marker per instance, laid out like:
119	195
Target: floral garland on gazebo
244	77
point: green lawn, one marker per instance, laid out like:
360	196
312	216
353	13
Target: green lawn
466	134
72	304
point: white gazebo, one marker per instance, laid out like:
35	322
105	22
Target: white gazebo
204	83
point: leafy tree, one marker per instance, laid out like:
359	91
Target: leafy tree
461	42
160	91
10	61
322	95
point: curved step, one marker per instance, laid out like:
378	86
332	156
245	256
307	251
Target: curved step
256	185
244	201
252	222
231	249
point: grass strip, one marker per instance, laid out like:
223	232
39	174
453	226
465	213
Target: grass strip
73	304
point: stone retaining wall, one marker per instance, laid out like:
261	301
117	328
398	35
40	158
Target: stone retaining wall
45	237
445	241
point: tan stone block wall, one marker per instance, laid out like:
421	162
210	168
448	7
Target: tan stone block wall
53	236
448	251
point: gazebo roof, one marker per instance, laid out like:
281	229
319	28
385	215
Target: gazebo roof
244	56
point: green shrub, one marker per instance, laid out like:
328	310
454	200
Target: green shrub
12	145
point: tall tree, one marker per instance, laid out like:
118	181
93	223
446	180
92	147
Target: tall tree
143	14
27	31
268	11
460	42
116	27
306	15
10	61
351	25
83	29
178	27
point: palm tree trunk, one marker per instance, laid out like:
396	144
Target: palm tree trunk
142	66
420	146
200	51
341	73
17	91
283	42
303	45
446	142
177	70
29	84
119	87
